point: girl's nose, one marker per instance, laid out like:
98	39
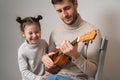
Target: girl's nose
34	35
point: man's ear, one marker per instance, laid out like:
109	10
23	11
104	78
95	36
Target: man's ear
76	3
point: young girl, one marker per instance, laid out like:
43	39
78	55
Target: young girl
32	49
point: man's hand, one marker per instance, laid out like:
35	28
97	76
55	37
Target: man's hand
67	48
47	60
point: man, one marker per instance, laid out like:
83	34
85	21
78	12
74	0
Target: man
85	55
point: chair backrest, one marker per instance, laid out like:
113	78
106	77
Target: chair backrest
103	48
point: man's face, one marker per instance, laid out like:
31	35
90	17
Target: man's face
67	11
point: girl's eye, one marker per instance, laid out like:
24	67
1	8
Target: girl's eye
30	33
37	31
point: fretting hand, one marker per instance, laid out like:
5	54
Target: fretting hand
67	48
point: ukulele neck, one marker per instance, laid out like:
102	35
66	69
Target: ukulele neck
74	42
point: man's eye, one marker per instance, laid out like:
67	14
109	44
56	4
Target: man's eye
67	8
59	11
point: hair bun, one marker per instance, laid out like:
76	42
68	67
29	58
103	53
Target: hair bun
18	19
39	17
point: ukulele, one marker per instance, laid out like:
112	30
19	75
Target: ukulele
60	59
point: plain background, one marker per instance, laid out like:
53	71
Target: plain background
103	13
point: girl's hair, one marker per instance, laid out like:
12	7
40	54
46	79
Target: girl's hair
28	21
58	1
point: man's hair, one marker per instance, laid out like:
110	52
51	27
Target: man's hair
58	1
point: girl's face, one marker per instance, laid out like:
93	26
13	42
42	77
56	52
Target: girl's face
32	33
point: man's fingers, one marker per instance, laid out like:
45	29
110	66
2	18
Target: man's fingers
47	61
52	53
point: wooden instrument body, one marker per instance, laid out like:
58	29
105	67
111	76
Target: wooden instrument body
60	61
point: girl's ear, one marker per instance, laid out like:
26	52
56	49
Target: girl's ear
23	34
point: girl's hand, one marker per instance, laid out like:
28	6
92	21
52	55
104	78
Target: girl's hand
44	76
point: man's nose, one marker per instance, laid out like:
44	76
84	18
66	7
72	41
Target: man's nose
64	13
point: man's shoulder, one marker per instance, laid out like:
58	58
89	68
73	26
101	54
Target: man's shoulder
90	25
43	41
58	28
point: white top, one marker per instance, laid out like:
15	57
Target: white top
29	60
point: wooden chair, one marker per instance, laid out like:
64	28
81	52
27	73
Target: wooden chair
103	48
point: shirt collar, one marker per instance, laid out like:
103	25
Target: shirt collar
32	45
75	25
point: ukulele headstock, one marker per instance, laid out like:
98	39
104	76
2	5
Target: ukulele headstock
87	37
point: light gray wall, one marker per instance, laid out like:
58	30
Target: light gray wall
104	13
